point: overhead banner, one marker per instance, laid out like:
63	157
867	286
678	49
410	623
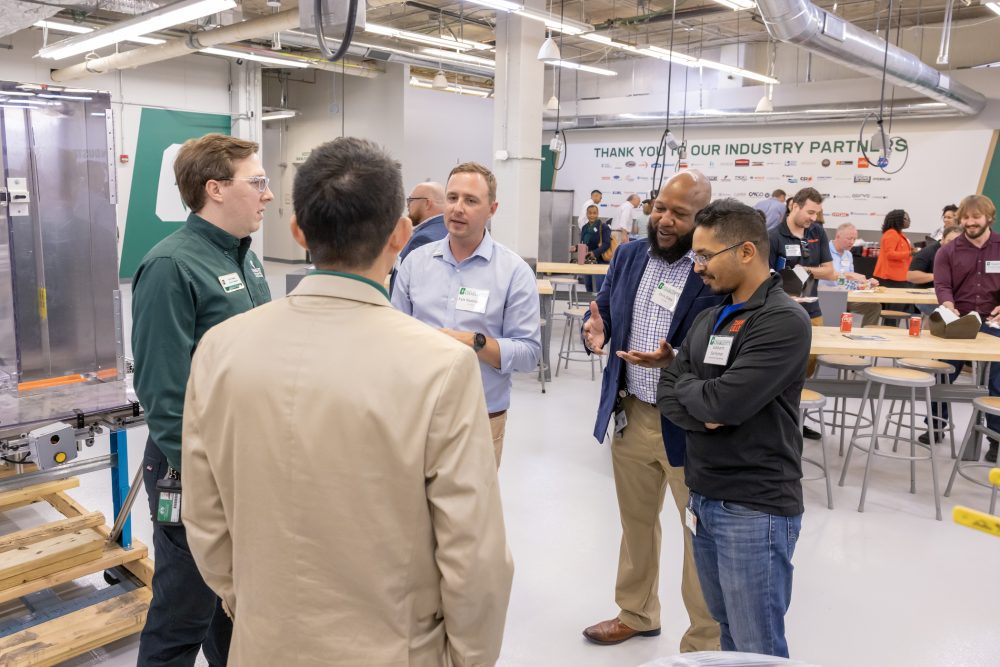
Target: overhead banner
155	209
926	170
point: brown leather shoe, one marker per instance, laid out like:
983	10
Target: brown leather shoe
614	631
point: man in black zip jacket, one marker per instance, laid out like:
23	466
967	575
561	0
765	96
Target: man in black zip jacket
734	387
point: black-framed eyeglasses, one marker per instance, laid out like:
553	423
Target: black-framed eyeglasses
259	182
412	199
703	260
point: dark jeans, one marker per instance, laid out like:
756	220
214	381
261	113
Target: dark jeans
744	560
185	614
992	421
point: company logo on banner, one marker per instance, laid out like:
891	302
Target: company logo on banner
750	169
155	209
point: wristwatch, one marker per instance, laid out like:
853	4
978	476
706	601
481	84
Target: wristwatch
478	341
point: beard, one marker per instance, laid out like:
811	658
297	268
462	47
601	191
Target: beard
975	234
670	255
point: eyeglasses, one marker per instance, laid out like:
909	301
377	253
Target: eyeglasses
260	182
703	260
412	199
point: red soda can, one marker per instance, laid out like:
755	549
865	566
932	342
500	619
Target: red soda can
846	322
915	324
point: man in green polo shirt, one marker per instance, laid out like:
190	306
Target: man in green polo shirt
199	276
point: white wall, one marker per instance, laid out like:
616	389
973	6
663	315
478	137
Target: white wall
193	83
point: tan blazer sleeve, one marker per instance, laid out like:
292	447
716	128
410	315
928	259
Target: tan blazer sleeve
202	509
464	498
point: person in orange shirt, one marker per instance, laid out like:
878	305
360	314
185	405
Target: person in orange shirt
894	250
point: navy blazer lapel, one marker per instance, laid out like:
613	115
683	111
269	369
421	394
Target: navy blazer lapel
692	289
632	275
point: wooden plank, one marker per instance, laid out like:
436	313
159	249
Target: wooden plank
51	550
898	343
66	504
67	636
36	492
23	538
142	568
112	556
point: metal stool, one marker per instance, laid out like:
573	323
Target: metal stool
942	371
845	366
811	401
983	405
571	285
894	377
542	366
567	346
897	316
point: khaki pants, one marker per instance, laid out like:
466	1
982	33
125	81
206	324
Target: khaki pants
642	475
869	312
498	426
811	366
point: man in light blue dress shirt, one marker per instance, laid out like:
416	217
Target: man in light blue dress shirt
773	208
843	264
476	290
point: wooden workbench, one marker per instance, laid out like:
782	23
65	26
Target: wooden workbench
894	295
572	269
829	340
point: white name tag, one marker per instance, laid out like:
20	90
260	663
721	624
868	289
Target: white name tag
718	350
992	266
231	282
666	296
472	300
793	250
690	520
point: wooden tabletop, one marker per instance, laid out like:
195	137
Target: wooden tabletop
544	287
829	340
572	268
894	295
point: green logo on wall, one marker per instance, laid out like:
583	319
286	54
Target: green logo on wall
154	207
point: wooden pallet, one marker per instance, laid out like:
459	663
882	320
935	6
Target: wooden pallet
36	559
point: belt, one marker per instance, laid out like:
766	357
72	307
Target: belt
494	415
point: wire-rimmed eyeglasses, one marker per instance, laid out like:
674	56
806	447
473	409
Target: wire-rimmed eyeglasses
703	260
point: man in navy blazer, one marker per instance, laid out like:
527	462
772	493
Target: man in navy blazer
648	301
425	208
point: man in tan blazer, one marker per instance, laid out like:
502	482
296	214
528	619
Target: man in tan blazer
340	490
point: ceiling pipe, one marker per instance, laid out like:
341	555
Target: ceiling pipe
817	30
236	32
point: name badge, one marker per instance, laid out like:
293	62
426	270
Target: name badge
472	300
992	266
231	282
666	296
691	520
793	250
717	353
621	421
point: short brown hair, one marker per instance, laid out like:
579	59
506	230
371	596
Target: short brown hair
476	168
807	194
977	204
204	159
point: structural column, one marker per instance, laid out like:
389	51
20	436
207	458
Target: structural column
245	97
517	131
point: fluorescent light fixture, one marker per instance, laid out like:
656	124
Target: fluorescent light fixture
993	6
250	55
446	43
639	116
499	5
16	92
83	30
66	97
737	5
600	39
36	103
737	71
278	115
460	57
584	68
551	22
669	56
462	90
158	19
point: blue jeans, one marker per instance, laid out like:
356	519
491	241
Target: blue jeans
185	614
993	422
744	561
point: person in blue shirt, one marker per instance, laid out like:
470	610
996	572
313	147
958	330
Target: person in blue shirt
476	290
843	264
773	208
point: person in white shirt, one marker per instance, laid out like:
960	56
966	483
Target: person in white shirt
843	264
595	200
623	218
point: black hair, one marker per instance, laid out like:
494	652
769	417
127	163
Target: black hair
596	192
348	197
894	219
949	207
734	222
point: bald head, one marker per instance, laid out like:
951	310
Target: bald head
693	185
671	222
426	200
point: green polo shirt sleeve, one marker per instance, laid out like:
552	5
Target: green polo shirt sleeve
164	308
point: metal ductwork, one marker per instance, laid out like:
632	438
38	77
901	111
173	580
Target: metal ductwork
803	23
